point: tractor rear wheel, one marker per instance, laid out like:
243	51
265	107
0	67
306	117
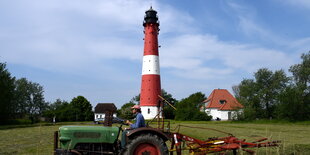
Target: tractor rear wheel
147	144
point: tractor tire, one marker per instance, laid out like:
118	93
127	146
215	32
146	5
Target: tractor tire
146	144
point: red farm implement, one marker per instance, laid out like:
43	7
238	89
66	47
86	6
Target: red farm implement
181	142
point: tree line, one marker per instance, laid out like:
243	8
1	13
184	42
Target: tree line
21	99
187	108
274	95
79	109
269	95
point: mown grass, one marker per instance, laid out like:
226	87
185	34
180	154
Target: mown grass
295	137
29	139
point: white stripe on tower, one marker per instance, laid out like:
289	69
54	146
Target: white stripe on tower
150	65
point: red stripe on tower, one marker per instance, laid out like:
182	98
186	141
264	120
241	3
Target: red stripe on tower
150	86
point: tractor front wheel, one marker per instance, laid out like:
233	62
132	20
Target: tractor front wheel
146	145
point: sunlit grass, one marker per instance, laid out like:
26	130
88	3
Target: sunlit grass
295	137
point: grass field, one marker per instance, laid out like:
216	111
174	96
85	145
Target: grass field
295	137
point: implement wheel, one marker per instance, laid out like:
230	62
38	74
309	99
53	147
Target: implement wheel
146	145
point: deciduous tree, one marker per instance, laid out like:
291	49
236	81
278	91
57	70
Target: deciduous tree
125	112
189	108
81	108
301	72
295	100
30	99
7	95
261	95
169	112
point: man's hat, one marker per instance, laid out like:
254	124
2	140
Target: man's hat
135	107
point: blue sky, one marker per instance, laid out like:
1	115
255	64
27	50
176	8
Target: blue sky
94	48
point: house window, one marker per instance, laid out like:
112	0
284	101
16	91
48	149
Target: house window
148	111
208	112
229	116
222	101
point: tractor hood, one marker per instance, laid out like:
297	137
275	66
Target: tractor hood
72	135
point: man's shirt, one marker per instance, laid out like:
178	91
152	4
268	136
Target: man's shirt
139	122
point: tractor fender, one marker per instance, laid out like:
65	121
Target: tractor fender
147	130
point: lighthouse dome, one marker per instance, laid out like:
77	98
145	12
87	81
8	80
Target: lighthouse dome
150	17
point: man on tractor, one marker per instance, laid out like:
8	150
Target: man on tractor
136	110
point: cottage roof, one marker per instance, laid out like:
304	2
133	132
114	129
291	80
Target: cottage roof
221	99
103	107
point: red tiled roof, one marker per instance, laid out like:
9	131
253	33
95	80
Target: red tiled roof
222	95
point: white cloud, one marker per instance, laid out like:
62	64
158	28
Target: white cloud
173	20
63	35
205	73
193	55
302	45
250	25
88	36
57	36
298	3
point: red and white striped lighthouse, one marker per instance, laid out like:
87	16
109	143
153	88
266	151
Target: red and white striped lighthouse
150	86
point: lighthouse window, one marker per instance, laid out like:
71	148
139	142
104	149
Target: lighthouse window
148	111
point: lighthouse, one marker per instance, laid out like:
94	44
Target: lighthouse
150	84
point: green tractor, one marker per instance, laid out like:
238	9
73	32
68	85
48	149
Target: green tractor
104	140
93	140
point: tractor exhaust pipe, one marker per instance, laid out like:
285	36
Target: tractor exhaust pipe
55	141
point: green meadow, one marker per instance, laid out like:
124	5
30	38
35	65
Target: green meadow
294	137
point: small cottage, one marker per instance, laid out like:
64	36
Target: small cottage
100	110
221	105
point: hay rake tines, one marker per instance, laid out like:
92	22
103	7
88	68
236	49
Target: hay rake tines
230	143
